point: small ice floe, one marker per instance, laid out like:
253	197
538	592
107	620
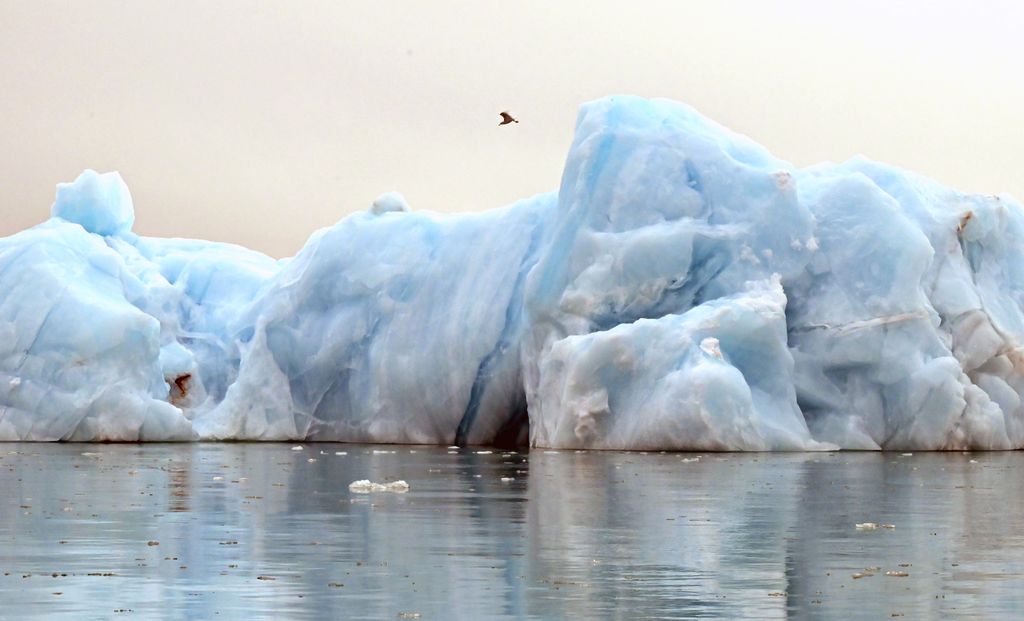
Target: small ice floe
689	460
897	574
484	452
296	448
453	447
507	479
366	486
311	459
861	574
340	453
906	454
973	461
872	526
453	452
378	452
15	382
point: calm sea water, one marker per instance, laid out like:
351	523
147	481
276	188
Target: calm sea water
261	531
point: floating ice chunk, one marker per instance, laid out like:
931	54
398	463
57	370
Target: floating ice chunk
615	313
365	486
102	204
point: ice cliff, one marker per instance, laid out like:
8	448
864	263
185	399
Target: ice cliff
683	289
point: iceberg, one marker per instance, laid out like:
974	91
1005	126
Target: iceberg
682	290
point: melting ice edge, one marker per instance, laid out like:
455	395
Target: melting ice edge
683	290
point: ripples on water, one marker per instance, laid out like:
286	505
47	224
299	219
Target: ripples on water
260	531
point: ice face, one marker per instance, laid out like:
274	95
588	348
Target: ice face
717	377
682	290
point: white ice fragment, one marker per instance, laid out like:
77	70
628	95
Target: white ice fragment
507	479
365	486
867	526
14	382
689	460
484	452
296	448
812	244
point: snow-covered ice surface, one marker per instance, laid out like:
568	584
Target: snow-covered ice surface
683	289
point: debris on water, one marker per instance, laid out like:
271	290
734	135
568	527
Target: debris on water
974	461
365	486
866	526
897	574
265	578
484	452
689	460
311	459
152	543
862	574
507	479
907	454
340	453
408	615
296	448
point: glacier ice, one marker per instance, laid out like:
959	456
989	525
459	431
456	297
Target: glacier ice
683	289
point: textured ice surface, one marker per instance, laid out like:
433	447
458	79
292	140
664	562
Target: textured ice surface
683	289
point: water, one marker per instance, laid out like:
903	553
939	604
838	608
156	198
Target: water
261	531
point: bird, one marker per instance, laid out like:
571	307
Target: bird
506	118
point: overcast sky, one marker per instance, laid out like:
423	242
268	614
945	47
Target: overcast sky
259	122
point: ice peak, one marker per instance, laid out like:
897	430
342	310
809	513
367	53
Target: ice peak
101	203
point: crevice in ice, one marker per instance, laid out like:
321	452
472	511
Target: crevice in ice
863	324
513	316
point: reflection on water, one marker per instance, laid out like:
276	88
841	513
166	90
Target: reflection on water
263	531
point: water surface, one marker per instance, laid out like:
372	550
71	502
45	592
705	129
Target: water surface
261	531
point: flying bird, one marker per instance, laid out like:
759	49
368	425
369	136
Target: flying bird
506	118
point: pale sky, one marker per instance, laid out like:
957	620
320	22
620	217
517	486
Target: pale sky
259	122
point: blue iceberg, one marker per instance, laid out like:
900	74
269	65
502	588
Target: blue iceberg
683	290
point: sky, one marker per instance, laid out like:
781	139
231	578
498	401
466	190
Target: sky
259	122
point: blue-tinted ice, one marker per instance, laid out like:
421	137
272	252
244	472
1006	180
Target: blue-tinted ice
682	290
